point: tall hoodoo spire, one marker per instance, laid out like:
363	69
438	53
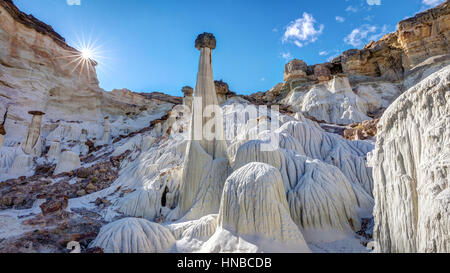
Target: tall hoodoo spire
206	164
31	143
205	91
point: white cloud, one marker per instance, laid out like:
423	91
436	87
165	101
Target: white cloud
303	31
275	29
73	2
351	9
432	2
374	2
332	57
380	34
364	34
340	19
324	53
263	79
359	35
286	55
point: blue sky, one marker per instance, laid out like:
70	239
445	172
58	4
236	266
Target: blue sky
148	45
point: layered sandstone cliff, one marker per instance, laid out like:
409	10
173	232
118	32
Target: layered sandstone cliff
369	79
39	72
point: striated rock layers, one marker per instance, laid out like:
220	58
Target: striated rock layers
41	73
206	164
412	170
425	35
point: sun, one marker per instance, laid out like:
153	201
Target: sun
87	54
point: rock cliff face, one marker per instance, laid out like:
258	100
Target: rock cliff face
377	74
412	170
39	72
425	35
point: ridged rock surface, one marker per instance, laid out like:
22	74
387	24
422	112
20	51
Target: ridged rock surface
348	156
412	170
254	211
133	235
318	194
67	162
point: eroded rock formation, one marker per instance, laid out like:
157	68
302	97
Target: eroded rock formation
311	187
188	99
377	74
311	192
31	143
134	235
206	164
254	214
68	161
412	170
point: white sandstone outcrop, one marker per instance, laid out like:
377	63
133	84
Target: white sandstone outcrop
106	131
134	235
68	161
348	156
254	212
39	71
412	170
332	101
320	197
187	99
55	151
201	229
22	165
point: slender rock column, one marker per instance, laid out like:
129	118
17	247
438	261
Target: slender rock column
106	131
205	91
187	100
84	149
31	142
206	164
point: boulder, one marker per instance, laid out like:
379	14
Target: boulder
55	205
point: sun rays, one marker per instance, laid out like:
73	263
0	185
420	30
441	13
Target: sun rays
84	57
